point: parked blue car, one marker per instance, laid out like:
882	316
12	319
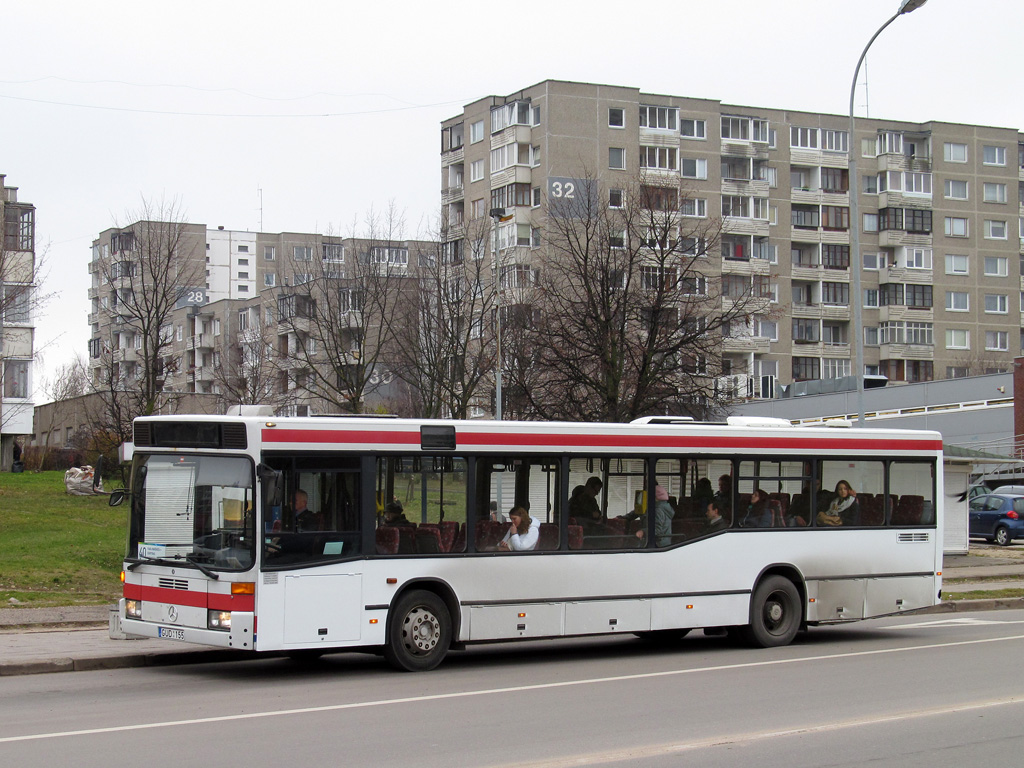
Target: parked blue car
997	517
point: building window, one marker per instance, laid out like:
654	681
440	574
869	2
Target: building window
806	368
958	338
616	158
243	275
803	138
995	304
918	258
835	141
994	156
957	301
805	216
334	252
694	168
835	180
659	158
871	297
664	118
873	261
956	189
694	206
994	193
16	378
995	230
616	117
954	153
835	256
303	253
956	264
837	294
269	279
919	296
476	131
243	249
917	220
269	252
996	266
956	226
835	217
997	341
615	198
476	170
693	129
870	222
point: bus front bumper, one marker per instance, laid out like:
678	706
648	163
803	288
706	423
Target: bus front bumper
240	636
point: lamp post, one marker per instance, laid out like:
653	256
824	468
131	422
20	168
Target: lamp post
497	216
906	6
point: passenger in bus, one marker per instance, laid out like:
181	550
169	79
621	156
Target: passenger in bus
663	514
305	519
523	534
584	507
715	521
844	509
759	512
494	511
703	494
394	514
724	495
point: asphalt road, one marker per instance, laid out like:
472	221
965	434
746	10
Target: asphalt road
926	690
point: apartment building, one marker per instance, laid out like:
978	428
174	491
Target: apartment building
17	302
942	292
242	326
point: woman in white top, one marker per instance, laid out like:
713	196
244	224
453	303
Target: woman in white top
522	536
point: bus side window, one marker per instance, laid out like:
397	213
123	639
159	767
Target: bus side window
531	483
865	485
423	498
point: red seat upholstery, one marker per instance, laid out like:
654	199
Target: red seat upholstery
387	540
575	537
548	540
449	532
908	510
428	540
406	539
460	540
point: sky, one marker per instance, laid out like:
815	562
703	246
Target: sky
305	116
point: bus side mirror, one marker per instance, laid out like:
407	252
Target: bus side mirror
271	480
117	497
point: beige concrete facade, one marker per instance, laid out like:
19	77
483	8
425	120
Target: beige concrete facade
940	208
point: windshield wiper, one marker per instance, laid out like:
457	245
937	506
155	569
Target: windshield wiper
173	560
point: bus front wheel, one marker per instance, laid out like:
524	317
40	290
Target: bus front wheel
775	613
419	632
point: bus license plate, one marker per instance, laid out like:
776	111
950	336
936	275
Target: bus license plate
171	633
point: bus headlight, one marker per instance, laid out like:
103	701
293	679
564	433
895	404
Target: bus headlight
133	609
218	620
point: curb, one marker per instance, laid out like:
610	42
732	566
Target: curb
97	663
964	606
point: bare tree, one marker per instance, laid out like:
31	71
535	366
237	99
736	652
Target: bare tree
626	313
248	371
152	266
338	313
444	334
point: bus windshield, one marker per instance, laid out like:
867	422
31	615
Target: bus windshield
193	510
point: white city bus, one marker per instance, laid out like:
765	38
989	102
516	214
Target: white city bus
221	553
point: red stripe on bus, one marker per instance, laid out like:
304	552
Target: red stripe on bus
214	601
691	442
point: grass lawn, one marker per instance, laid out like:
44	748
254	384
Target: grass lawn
57	549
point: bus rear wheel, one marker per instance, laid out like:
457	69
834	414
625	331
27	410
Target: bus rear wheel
419	632
775	613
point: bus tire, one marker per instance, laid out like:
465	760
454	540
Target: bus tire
419	632
775	613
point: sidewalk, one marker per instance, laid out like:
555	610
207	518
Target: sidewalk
77	638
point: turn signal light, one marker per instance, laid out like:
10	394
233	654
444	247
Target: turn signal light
122	577
243	588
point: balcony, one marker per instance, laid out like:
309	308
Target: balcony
901	162
746	267
905	275
200	341
742	226
896	312
906	352
745	187
835	312
453	156
803	348
893	199
893	238
755	149
451	195
746	344
810	272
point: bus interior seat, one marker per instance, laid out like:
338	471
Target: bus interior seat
387	540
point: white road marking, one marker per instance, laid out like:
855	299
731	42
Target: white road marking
493	691
663	750
962	622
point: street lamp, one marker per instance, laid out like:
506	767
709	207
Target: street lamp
906	6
